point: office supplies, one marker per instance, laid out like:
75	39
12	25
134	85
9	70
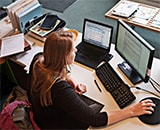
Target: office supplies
95	45
115	85
137	53
22	11
97	86
32	12
10	11
154	118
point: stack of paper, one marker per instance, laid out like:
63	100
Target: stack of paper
125	9
144	14
156	21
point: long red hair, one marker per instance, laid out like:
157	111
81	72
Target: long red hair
51	65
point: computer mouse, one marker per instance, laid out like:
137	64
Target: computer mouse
154	118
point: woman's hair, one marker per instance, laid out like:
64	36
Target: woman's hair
51	65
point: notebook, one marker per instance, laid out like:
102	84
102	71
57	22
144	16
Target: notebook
95	45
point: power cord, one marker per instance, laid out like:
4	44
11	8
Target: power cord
146	91
151	81
155	81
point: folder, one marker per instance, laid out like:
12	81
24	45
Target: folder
30	14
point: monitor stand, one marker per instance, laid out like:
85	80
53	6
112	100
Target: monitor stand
130	73
108	57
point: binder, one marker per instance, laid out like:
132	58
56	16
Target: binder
10	9
24	7
31	13
22	11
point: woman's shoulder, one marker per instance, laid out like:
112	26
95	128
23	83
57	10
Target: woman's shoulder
36	56
62	85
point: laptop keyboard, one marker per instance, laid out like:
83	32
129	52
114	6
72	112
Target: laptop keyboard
89	56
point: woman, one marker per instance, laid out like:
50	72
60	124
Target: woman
55	95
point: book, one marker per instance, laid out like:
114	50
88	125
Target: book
42	32
6	27
10	9
31	13
125	9
13	45
34	35
24	7
22	11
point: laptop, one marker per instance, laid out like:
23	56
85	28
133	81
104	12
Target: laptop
95	45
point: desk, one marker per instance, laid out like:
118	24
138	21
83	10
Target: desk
130	21
86	75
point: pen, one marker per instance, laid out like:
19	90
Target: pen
97	86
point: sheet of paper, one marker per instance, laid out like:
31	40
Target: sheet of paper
12	45
26	58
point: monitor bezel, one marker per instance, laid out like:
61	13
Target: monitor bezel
101	24
144	42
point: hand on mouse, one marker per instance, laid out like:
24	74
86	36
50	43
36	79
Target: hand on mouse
143	107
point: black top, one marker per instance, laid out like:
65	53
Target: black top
68	110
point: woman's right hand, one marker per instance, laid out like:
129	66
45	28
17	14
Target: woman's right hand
143	107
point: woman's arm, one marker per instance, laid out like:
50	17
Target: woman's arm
78	87
144	107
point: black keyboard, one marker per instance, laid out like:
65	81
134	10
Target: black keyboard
115	85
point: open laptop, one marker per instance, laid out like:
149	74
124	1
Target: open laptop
95	45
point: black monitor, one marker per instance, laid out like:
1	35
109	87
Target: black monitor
137	53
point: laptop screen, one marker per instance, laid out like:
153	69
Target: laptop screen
96	33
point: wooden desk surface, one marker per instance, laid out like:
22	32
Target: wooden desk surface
130	21
87	75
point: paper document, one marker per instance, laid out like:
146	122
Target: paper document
12	45
26	58
125	9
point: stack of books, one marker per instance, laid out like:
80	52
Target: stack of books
22	11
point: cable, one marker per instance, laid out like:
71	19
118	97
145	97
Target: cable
146	91
155	81
154	86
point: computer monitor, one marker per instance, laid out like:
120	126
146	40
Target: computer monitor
137	53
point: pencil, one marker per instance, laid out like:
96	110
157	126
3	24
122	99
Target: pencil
97	86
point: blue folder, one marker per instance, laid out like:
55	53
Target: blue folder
30	14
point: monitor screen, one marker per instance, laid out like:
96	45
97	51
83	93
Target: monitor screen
96	33
137	53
